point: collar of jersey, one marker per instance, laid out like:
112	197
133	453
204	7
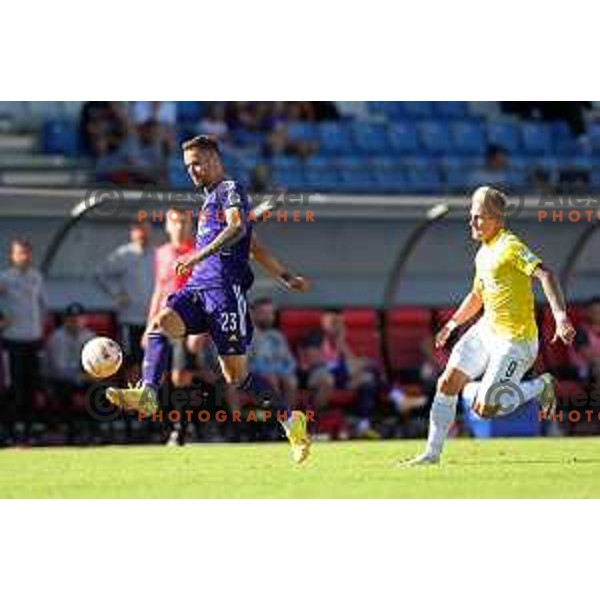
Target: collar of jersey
213	186
495	238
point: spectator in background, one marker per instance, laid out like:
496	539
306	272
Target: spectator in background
350	371
164	114
495	170
23	298
214	123
313	374
269	355
127	276
140	159
585	351
102	127
64	373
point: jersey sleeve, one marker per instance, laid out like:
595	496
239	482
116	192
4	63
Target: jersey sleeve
230	196
523	258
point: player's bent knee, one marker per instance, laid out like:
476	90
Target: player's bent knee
170	323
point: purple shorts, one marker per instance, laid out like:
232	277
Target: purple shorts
220	312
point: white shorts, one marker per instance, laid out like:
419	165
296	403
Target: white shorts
481	354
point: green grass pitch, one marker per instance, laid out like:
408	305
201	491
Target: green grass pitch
502	468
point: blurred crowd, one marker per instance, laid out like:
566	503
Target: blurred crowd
45	391
132	142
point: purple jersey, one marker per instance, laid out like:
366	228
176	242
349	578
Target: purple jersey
230	266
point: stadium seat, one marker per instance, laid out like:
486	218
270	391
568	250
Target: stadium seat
335	138
289	178
536	138
302	131
435	137
362	327
392	111
295	323
356	180
423	175
451	109
403	137
60	137
404	331
504	134
417	109
468	137
189	112
388	175
321	179
282	161
370	138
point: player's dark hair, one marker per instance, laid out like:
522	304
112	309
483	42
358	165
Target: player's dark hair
201	142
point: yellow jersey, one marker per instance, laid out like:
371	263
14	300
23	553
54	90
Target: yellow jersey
503	269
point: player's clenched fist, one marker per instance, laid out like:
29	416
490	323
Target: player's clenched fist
296	283
183	267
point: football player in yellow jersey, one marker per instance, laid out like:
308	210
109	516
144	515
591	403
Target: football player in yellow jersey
502	345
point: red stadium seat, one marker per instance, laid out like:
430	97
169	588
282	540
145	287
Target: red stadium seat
101	323
362	330
296	323
405	330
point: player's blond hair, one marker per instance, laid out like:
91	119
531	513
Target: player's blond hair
493	200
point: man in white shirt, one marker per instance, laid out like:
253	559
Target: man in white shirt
127	276
23	302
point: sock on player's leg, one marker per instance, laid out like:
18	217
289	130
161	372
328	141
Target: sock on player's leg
443	411
530	390
263	392
156	359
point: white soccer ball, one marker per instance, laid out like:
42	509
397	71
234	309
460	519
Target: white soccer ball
101	357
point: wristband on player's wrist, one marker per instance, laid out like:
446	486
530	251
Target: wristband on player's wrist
560	315
452	324
286	277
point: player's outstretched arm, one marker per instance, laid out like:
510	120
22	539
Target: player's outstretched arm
275	268
556	298
468	308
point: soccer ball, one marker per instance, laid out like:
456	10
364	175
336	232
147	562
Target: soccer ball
101	357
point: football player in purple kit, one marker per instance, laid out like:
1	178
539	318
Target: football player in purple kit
214	298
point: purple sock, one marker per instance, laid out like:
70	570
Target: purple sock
156	359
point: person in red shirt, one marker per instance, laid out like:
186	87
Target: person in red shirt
181	243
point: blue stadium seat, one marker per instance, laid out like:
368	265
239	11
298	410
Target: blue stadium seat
423	175
248	139
335	138
392	111
302	131
388	175
356	180
370	138
593	133
350	162
457	172
321	180
451	109
403	138
318	161
581	162
291	179
504	134
189	112
468	137
418	110
435	137
536	138
595	177
60	137
282	161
